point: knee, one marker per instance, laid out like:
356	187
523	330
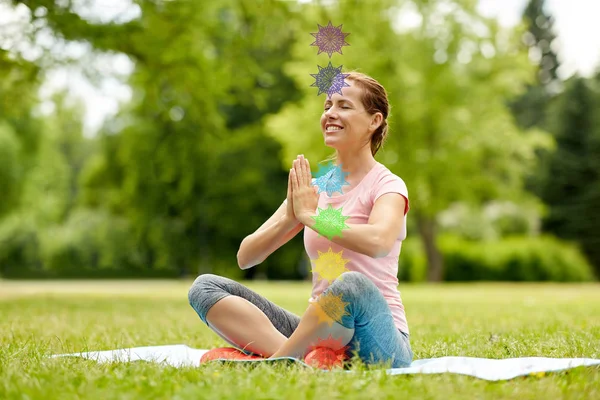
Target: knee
354	278
354	283
200	287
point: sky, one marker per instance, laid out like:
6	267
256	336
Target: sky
576	26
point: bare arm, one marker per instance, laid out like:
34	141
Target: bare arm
375	238
274	233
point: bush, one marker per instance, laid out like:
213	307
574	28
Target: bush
89	244
512	259
19	246
412	266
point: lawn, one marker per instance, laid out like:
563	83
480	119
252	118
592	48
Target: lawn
482	320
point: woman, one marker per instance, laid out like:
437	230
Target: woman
359	310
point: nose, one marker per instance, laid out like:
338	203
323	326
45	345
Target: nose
329	113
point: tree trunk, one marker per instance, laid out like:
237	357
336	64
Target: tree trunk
435	263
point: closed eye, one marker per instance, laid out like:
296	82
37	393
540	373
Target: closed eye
344	107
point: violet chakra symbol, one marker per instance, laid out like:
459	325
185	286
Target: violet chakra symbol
330	80
330	39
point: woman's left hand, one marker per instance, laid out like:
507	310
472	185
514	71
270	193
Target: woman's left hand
304	194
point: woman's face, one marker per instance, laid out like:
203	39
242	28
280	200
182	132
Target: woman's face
345	123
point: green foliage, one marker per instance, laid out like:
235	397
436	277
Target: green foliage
531	108
491	221
10	168
540	36
511	259
18	97
571	183
186	165
87	241
412	265
19	245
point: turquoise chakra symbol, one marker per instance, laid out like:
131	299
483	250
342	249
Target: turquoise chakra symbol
330	178
330	39
330	80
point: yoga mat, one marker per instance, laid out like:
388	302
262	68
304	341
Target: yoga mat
180	355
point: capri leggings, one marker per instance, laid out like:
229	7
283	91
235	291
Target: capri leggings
376	339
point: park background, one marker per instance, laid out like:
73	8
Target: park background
499	150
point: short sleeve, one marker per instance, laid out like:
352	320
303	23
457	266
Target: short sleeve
390	183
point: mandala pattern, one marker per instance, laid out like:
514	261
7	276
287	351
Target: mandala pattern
330	39
329	265
330	308
330	222
330	178
330	80
329	342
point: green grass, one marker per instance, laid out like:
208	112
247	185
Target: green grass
483	320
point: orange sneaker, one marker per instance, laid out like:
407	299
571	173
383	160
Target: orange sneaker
227	353
326	358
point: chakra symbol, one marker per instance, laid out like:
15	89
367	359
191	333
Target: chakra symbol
330	222
329	342
330	80
330	178
330	39
330	308
330	265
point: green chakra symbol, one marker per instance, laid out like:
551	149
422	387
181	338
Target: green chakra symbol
330	222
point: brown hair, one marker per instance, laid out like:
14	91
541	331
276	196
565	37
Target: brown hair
374	100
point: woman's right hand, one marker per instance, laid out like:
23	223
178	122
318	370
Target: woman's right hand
289	211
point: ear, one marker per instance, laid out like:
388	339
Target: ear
376	121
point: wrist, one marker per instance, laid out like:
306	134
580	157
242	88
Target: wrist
289	222
306	219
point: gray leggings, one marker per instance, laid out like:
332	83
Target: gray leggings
376	339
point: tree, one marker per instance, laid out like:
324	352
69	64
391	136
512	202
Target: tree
530	108
571	186
205	74
19	128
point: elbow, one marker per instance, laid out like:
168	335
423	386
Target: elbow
242	258
243	263
381	247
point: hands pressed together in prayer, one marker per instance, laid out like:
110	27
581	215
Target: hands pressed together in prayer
302	195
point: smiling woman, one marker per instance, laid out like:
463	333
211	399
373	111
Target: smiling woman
353	238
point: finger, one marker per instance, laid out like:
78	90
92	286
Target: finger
289	188
298	171
294	179
302	171
308	175
306	171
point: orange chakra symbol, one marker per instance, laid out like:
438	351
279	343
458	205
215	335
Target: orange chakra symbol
330	308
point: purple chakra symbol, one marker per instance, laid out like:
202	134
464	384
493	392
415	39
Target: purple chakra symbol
330	39
330	80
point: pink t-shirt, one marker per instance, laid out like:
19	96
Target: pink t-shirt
357	204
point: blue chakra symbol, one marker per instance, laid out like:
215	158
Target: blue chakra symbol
330	178
330	39
330	80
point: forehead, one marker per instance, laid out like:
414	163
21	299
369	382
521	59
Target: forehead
352	93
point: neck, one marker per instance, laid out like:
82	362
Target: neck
356	161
